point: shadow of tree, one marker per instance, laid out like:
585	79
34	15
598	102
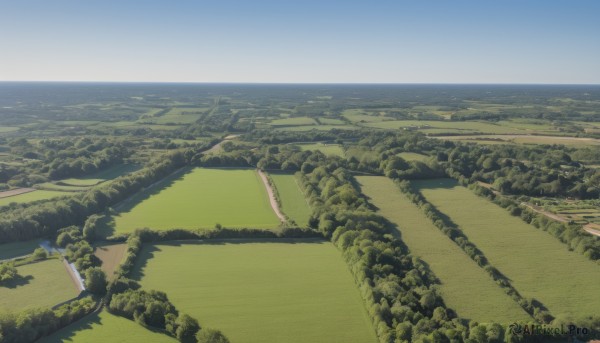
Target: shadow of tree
18	281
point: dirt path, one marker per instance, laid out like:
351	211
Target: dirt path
545	213
592	229
14	192
272	200
77	281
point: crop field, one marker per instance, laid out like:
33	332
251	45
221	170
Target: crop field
331	121
413	156
430	126
465	287
317	127
261	292
32	196
294	121
44	283
524	139
327	149
200	198
520	251
110	255
18	249
293	202
101	176
105	327
360	116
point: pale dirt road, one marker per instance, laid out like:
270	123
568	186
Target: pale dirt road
546	213
592	229
272	200
14	192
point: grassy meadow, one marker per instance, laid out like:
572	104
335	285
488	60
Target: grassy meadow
44	283
413	156
464	286
293	202
327	149
261	292
105	327
538	265
110	256
32	196
200	198
17	249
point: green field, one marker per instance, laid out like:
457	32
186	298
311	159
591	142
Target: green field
327	149
331	121
17	249
294	121
4	129
465	287
413	156
200	198
104	327
101	176
32	196
538	265
430	126
45	283
296	291
317	127
293	203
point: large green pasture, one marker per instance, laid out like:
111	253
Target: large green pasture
18	249
538	265
32	196
465	287
200	198
104	327
327	149
293	202
261	292
41	284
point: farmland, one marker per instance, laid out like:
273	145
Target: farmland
200	198
38	280
17	249
327	149
110	256
105	327
465	287
520	251
32	196
261	292
411	156
293	202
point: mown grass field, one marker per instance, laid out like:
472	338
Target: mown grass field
104	327
538	265
317	127
465	287
101	176
32	196
17	249
200	198
413	156
44	283
327	149
261	292
293	202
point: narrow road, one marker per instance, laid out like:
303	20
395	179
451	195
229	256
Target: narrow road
272	200
591	230
545	213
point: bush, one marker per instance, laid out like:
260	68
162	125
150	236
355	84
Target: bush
211	336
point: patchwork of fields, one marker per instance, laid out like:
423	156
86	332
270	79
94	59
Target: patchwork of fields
538	265
465	287
293	291
200	198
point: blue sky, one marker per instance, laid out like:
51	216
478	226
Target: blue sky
301	41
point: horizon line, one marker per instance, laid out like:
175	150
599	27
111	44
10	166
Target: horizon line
306	83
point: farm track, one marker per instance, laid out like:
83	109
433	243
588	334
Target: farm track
592	229
272	200
14	192
545	213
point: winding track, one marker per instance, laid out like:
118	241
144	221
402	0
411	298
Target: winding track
272	200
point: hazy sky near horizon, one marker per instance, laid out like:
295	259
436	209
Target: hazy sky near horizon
375	41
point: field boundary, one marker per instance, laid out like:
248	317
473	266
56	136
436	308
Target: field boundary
271	194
